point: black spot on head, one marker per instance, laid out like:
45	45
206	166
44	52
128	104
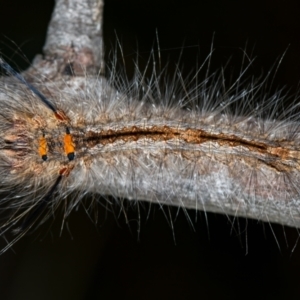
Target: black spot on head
71	156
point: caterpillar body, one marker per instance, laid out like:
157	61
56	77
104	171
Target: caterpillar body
199	146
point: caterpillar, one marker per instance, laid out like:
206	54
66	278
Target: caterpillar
208	146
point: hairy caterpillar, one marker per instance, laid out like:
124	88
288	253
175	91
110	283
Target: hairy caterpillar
204	261
206	144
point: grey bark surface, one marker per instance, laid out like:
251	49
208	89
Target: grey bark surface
74	39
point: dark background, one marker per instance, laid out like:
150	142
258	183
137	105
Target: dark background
111	260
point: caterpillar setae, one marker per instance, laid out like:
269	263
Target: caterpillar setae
202	145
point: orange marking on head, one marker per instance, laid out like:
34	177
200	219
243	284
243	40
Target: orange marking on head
43	148
68	144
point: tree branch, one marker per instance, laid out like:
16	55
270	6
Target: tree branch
74	39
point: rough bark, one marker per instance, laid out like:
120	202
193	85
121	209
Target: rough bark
74	40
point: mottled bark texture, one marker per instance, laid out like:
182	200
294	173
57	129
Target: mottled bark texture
74	43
